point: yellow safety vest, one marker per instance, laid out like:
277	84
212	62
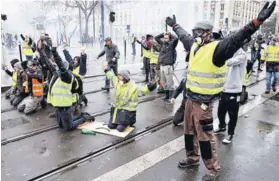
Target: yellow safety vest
146	53
203	76
154	56
14	79
245	79
27	50
126	95
76	72
60	94
271	53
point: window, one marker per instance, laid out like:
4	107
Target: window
221	15
222	6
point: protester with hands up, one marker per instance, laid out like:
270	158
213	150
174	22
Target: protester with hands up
205	80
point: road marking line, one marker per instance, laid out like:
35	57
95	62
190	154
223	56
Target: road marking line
144	162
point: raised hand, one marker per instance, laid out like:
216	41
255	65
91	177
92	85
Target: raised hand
266	11
171	21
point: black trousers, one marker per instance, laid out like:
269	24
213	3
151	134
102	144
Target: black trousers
146	63
179	114
228	103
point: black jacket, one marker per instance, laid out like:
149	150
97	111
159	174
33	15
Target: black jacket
224	51
64	74
81	62
167	54
181	88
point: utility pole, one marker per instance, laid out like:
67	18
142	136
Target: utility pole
94	29
277	23
80	30
102	24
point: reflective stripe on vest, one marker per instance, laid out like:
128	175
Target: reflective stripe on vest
14	78
203	76
245	78
37	88
60	94
146	53
76	72
128	102
27	50
154	56
271	53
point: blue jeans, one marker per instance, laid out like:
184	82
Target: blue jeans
67	120
269	77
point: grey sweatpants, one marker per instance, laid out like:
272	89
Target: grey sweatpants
29	104
166	74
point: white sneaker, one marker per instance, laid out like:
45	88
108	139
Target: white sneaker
228	139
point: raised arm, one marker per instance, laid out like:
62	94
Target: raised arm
228	46
158	38
186	39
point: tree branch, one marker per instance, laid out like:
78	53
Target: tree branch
73	32
80	6
71	6
94	4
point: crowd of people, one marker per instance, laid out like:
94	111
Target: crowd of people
218	69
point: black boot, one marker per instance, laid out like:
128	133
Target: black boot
160	90
167	96
105	88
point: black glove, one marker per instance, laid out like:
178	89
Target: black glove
151	86
171	21
266	11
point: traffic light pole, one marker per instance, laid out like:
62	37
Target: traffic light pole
102	24
110	30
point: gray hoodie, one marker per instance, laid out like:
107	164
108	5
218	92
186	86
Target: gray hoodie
235	73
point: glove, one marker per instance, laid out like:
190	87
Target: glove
171	21
151	86
172	101
266	12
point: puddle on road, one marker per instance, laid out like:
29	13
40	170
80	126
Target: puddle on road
276	97
264	127
11	123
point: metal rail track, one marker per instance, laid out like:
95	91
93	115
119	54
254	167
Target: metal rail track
112	146
52	127
96	114
86	93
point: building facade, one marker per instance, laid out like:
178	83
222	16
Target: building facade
149	16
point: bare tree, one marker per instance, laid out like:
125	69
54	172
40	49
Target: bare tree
67	22
87	8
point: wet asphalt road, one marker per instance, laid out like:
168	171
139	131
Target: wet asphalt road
35	155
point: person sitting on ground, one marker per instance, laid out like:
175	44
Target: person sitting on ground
18	92
78	67
61	95
34	87
13	74
123	112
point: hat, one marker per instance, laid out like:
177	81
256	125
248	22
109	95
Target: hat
149	36
18	65
125	74
204	25
66	64
13	62
107	39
